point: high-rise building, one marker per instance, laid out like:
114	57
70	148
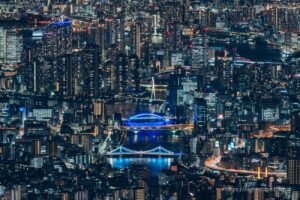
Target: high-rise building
32	66
138	40
109	78
127	78
200	116
91	71
225	68
11	46
65	83
295	121
199	53
57	41
296	84
134	67
173	86
293	171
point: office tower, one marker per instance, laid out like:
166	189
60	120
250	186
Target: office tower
94	35
293	171
199	54
296	84
109	32
91	71
32	64
58	38
121	74
109	78
11	46
174	85
295	121
200	116
65	84
172	40
138	46
185	11
119	33
57	42
77	75
225	68
134	78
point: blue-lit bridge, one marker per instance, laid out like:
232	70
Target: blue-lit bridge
151	121
158	151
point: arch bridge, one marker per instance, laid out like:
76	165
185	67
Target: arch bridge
158	151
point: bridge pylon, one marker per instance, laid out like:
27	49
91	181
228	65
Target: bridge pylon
153	95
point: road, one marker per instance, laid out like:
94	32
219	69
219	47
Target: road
212	163
163	127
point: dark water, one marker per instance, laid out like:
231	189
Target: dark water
259	52
147	140
155	165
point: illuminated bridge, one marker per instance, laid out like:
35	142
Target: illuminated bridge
147	119
151	121
158	151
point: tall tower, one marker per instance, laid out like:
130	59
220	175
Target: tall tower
91	70
65	66
57	43
138	39
153	96
121	74
157	38
200	116
185	11
200	54
293	171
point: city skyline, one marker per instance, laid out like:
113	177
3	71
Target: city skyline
150	100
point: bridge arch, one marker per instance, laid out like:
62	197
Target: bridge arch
147	119
158	151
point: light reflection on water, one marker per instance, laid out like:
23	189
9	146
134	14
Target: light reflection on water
149	139
154	164
146	140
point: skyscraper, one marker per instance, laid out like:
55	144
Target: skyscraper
200	116
199	53
293	171
66	88
91	71
11	46
32	64
295	122
57	43
138	40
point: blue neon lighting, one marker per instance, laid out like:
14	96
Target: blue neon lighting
146	116
66	22
147	119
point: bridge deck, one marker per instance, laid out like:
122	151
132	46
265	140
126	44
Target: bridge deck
163	127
